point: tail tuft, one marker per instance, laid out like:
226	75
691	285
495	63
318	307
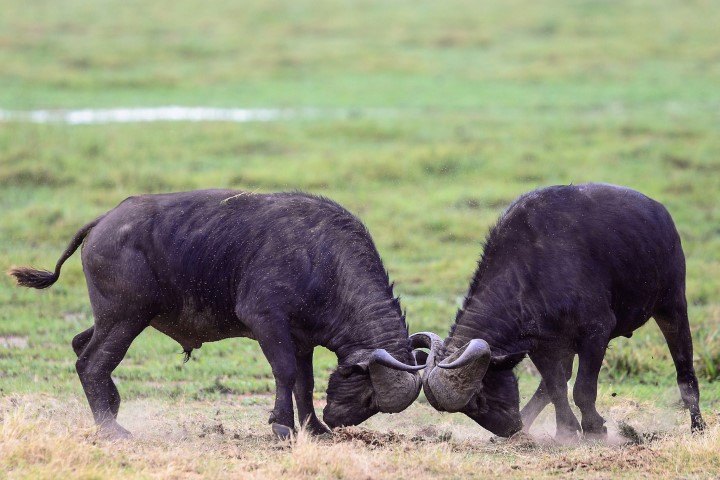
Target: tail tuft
30	277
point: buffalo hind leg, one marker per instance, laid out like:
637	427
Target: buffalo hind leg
553	374
81	340
79	343
102	354
304	386
590	356
675	328
541	399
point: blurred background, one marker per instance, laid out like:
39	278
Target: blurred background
424	118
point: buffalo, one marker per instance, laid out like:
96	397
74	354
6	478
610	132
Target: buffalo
290	270
565	270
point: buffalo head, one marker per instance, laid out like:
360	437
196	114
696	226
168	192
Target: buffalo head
361	388
473	381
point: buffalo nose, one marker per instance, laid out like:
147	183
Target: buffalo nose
329	420
513	428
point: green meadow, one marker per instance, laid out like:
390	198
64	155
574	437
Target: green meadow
450	110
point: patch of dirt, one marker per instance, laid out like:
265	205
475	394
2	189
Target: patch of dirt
632	437
628	432
522	441
368	437
215	428
373	438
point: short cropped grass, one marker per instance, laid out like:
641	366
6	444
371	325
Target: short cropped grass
458	108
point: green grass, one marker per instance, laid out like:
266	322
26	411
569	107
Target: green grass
486	101
458	54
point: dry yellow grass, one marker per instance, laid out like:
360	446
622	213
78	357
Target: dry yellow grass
44	437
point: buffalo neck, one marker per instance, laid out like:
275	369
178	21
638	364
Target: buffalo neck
491	312
372	325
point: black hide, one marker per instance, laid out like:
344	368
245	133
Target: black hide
565	270
289	270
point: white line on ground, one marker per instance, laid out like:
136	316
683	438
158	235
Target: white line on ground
169	114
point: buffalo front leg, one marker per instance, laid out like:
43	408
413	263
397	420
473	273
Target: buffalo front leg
540	398
676	330
279	350
304	386
553	374
102	354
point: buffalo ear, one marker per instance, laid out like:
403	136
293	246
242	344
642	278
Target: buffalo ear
347	370
507	362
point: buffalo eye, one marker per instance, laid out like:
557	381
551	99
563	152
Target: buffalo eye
507	362
367	400
346	371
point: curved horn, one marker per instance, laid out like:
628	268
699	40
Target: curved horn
396	384
474	350
420	357
382	357
425	340
451	384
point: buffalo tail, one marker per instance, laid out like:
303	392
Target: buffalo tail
31	277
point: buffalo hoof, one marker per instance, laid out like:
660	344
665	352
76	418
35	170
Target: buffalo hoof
282	432
697	424
113	432
316	427
596	435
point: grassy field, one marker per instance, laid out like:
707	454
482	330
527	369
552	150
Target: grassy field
457	108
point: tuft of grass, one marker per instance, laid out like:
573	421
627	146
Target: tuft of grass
630	433
32	176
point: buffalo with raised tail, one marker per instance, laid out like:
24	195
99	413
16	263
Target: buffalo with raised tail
290	270
565	270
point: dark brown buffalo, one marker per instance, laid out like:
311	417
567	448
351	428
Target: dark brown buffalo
289	270
565	270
